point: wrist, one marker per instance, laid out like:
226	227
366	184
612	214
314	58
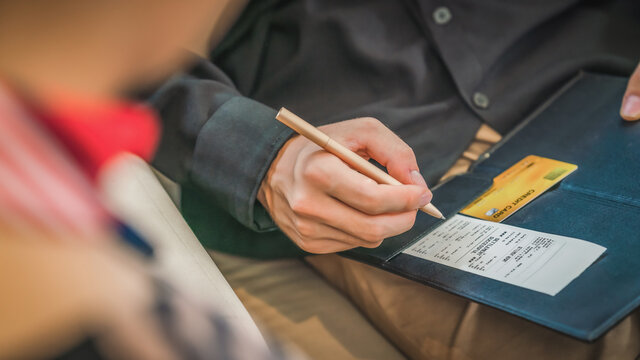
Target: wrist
262	196
278	177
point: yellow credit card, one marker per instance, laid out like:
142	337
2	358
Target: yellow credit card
517	186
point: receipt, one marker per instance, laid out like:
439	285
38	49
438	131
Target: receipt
530	259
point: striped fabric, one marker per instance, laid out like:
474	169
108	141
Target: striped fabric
82	296
41	190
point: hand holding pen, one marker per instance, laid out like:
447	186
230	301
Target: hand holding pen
325	205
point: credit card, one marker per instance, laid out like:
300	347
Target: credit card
517	186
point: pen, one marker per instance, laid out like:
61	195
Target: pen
356	161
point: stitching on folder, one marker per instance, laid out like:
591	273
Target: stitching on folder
603	197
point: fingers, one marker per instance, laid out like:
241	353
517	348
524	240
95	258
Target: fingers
330	175
630	109
314	237
369	229
387	148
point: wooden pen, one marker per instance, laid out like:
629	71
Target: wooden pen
354	160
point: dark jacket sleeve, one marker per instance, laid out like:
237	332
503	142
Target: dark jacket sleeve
218	140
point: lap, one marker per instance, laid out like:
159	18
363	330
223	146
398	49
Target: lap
287	298
427	323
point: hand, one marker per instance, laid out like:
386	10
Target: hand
630	109
325	206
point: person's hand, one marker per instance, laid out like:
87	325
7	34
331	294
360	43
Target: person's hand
630	109
325	206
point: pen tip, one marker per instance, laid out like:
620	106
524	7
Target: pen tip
443	218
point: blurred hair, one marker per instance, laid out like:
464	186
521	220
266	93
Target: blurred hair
93	45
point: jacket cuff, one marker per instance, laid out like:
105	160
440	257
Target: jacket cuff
232	154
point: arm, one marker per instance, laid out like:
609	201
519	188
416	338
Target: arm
233	148
219	140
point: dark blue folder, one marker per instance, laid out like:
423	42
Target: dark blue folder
599	203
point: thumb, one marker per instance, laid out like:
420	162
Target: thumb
630	109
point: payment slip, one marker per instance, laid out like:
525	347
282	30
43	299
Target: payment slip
534	260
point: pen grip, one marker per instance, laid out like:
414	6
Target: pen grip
359	163
351	158
368	169
324	141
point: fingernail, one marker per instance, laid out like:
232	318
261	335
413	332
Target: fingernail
417	179
631	107
424	200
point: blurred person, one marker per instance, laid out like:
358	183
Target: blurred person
75	281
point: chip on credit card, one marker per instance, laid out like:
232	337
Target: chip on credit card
517	186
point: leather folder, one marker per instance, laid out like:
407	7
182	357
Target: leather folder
599	203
